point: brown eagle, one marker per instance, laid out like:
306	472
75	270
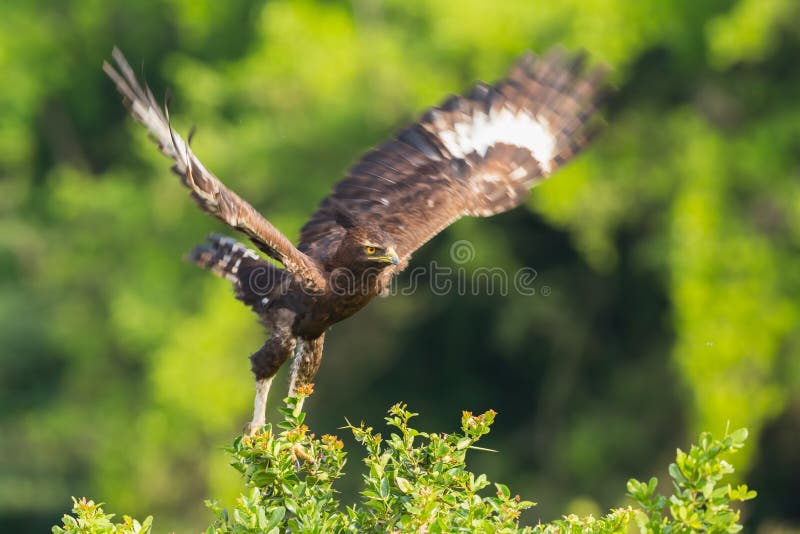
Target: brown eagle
474	155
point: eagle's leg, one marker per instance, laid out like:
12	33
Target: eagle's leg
307	357
267	360
259	405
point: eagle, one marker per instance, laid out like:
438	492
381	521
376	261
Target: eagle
476	155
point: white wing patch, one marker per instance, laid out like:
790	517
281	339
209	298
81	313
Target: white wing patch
484	131
518	174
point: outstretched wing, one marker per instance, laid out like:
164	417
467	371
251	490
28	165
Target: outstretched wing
209	193
476	155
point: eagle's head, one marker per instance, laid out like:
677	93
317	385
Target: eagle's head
364	246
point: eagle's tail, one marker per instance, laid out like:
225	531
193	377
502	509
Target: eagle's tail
254	279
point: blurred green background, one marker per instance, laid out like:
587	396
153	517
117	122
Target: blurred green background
671	249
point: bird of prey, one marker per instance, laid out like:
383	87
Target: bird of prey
473	155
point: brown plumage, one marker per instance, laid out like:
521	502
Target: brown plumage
475	155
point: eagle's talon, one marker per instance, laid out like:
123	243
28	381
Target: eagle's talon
253	427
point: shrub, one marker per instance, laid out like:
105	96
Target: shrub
418	482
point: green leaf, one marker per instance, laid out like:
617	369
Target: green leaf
503	490
403	484
463	443
276	517
739	436
384	488
676	474
262	518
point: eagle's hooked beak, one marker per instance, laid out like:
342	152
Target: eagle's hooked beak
390	257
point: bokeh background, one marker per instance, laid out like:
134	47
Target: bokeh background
671	249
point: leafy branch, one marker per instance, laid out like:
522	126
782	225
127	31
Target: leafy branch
418	482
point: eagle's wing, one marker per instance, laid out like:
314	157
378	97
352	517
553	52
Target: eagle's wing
476	155
209	193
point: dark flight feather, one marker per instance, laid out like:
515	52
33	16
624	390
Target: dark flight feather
209	193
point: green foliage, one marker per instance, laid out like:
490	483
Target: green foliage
89	518
418	482
291	474
699	503
415	480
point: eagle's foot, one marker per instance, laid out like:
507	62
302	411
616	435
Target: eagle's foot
253	427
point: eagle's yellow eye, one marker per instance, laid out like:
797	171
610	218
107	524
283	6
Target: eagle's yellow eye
370	250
